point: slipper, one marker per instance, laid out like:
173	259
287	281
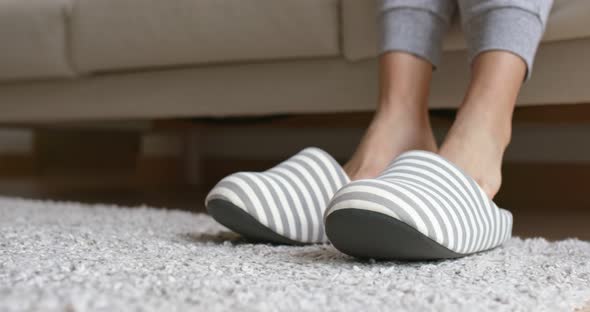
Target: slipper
282	205
422	207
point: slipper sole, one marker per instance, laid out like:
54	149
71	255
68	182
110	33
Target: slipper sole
237	220
368	234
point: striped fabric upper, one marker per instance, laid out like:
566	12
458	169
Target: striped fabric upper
435	197
290	198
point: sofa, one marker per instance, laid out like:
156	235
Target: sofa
78	60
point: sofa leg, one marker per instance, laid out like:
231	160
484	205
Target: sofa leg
193	157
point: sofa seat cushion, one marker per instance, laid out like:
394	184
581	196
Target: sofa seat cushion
568	20
112	35
33	36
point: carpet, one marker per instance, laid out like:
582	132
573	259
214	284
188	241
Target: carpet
72	257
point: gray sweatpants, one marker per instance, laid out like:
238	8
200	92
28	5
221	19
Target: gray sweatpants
418	26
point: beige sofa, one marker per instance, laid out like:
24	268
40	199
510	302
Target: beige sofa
143	59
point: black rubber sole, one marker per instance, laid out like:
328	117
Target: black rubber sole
237	220
367	234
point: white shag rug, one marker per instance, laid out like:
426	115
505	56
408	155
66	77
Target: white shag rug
73	257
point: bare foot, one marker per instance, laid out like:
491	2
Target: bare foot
389	134
477	146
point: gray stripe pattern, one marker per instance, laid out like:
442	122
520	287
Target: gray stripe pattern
290	198
434	196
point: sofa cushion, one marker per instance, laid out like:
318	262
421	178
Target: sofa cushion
32	36
568	20
123	34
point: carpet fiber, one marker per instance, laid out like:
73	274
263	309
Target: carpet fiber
72	257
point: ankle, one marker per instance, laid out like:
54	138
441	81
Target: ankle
405	107
410	128
491	126
412	121
390	133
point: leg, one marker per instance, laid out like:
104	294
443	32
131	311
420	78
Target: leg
412	35
401	121
481	132
502	44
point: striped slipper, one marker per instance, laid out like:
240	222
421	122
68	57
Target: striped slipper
421	207
284	204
